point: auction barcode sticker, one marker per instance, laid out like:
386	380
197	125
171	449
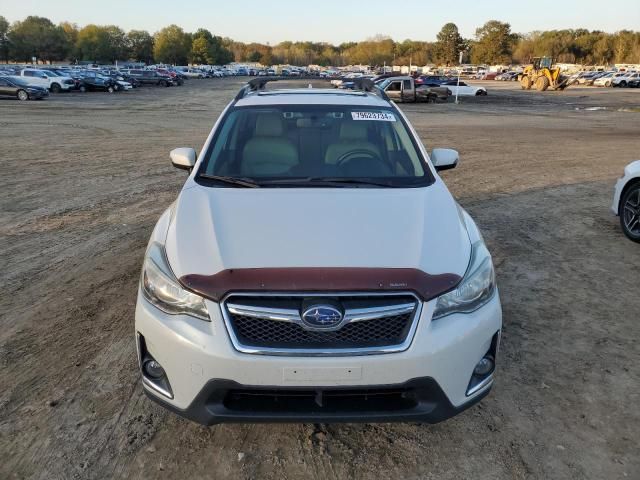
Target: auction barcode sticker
376	116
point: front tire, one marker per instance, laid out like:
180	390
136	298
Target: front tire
110	89
630	212
83	89
55	88
607	83
22	95
525	83
163	83
542	83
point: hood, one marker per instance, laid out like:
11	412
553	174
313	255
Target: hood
216	229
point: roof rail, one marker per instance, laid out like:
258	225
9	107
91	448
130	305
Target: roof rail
361	84
259	83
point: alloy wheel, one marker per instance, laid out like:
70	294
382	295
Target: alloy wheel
631	213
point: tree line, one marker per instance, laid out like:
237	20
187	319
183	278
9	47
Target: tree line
493	43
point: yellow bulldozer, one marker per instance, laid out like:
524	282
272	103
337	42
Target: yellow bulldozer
542	74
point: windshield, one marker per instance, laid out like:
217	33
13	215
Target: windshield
319	145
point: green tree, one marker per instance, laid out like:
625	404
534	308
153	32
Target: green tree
172	45
4	39
494	43
37	37
70	31
101	43
449	44
203	33
255	56
222	54
266	58
200	51
140	44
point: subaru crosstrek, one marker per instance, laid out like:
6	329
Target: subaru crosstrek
316	268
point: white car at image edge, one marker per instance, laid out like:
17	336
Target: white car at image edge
315	268
626	201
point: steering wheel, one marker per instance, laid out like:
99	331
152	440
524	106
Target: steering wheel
360	153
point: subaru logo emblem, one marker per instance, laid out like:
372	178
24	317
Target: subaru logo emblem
321	316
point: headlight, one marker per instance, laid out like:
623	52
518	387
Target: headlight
475	289
162	289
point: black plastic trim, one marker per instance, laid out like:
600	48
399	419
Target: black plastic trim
432	405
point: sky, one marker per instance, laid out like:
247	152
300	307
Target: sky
333	21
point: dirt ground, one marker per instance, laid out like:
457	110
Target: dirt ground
84	179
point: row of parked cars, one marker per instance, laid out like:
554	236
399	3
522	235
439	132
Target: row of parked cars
598	79
36	83
405	88
609	79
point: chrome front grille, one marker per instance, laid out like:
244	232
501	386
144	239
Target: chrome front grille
274	324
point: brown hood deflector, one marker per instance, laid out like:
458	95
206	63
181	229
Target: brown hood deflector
425	285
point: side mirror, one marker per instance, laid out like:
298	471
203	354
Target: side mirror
444	158
183	158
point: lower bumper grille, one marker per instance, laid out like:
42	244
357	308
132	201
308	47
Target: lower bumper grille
302	401
275	324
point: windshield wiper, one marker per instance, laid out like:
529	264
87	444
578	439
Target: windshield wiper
239	182
352	181
326	181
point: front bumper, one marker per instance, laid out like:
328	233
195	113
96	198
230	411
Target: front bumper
206	373
225	401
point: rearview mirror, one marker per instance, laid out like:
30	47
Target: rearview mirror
444	158
183	158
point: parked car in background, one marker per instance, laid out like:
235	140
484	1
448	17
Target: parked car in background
634	83
487	76
507	77
404	89
52	81
192	73
177	78
626	201
16	87
623	80
440	79
122	78
463	89
589	80
152	77
96	82
607	79
442	91
63	73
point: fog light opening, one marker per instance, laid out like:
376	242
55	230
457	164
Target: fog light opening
153	374
153	369
484	367
482	376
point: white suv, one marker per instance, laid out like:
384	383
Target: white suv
49	80
315	267
623	80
